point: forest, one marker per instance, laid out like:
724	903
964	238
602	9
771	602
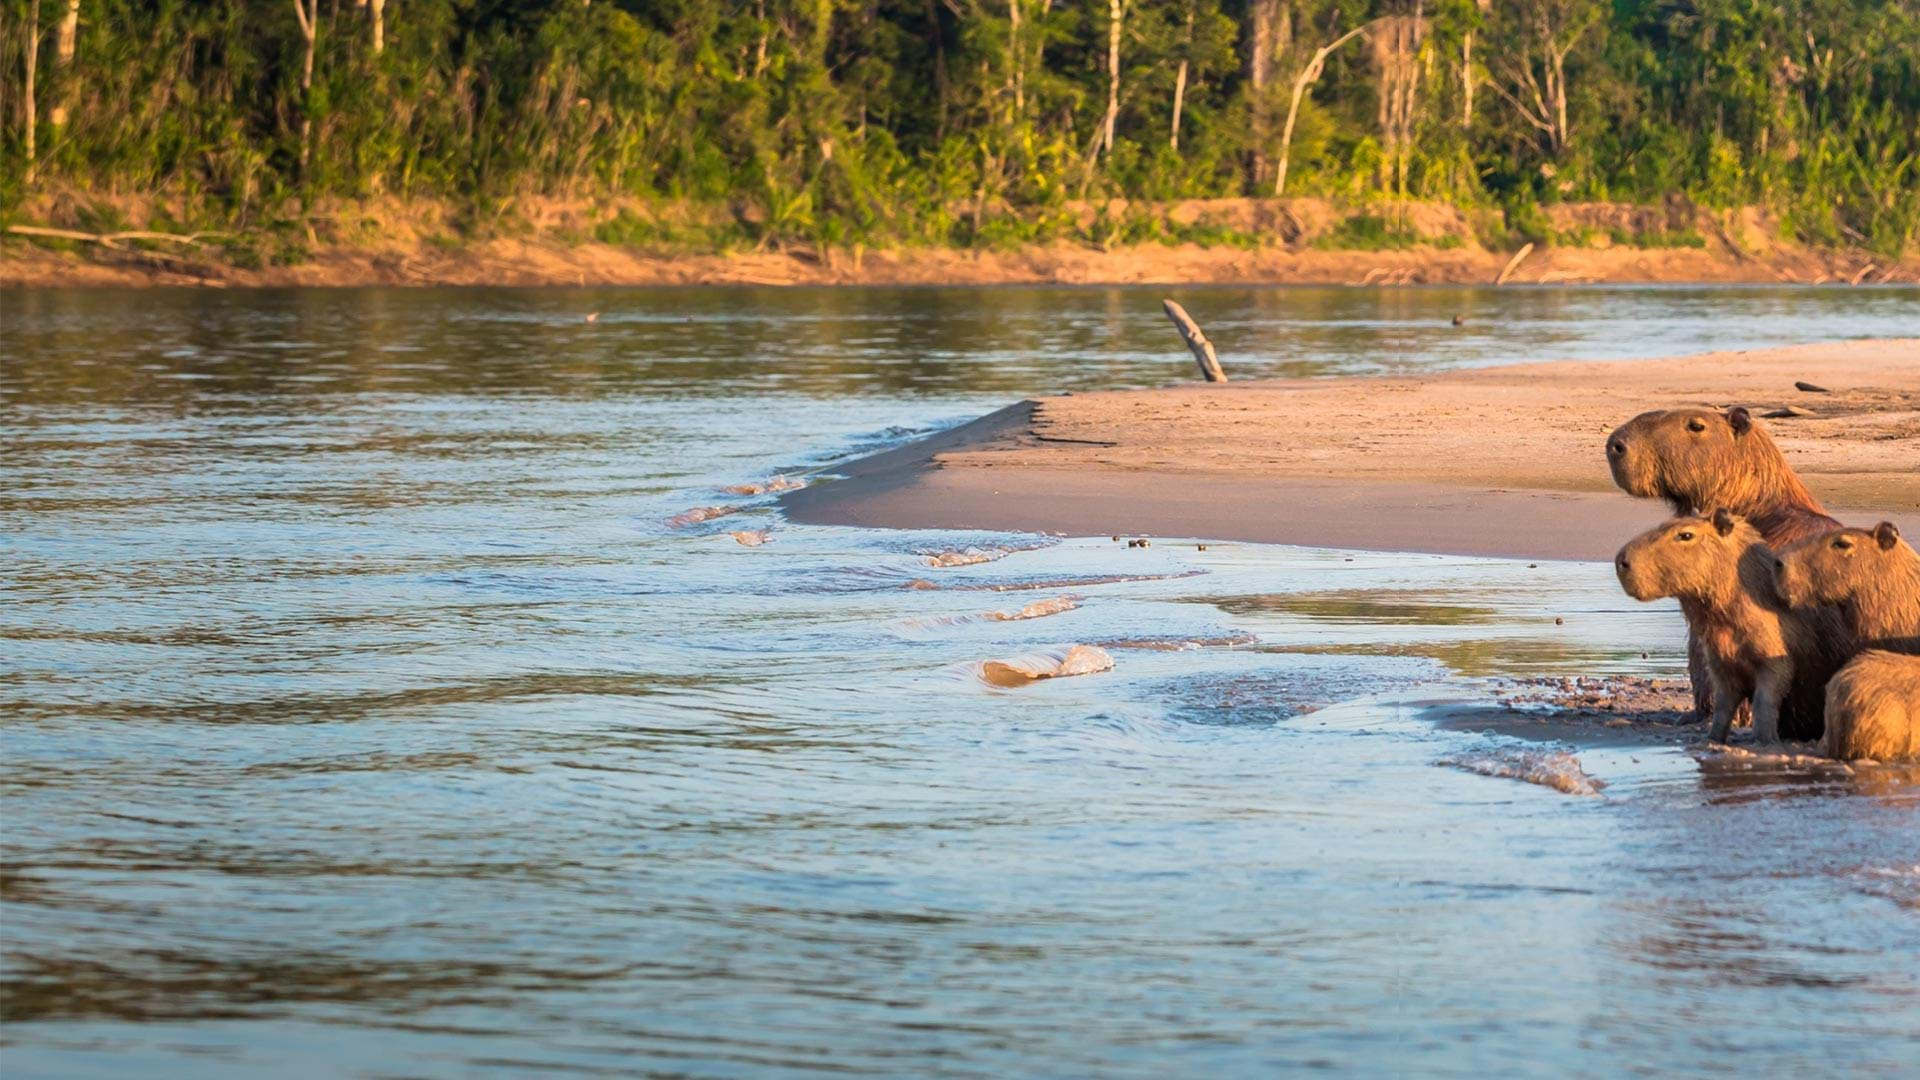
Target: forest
967	122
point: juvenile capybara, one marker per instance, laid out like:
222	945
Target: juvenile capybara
1756	648
1870	576
1699	460
1873	709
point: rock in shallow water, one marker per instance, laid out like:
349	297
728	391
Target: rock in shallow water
1078	660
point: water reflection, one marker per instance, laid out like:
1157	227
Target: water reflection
359	705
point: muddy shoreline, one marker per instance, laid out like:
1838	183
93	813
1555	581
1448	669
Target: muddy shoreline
1501	461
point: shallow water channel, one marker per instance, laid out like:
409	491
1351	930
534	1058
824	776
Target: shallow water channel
363	709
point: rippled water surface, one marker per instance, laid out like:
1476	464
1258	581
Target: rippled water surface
363	712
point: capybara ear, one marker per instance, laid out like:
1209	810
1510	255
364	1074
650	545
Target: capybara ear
1722	522
1740	418
1887	534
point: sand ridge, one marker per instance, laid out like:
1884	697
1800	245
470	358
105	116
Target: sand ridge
1499	461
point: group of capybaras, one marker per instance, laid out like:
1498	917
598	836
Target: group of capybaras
1811	626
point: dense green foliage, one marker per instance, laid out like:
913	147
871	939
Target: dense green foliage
977	121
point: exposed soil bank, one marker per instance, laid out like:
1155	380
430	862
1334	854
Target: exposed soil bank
529	263
1499	461
1279	241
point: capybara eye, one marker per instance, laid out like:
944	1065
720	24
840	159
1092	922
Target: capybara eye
1684	536
1842	544
1696	424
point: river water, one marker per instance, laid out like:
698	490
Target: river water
366	711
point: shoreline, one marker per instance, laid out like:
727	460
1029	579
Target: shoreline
537	263
1502	462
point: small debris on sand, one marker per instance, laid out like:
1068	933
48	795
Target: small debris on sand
1623	697
1140	543
1459	320
1078	660
1554	769
751	537
1811	388
699	514
1788	412
768	487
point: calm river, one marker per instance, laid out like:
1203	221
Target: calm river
364	713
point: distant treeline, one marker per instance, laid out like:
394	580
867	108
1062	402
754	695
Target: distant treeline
971	121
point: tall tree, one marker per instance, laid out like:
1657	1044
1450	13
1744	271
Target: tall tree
1531	72
308	12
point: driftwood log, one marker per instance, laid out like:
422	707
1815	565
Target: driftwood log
111	240
1513	264
1203	353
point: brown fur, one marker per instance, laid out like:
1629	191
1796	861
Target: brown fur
1699	461
1871	576
1756	648
1873	709
1730	463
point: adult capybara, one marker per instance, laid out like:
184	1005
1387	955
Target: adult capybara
1699	460
1756	648
1873	709
1871	576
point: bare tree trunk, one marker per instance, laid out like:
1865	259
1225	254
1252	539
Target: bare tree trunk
1016	63
1263	17
939	68
1308	75
308	12
377	9
33	64
1466	80
1114	13
1180	80
759	46
64	35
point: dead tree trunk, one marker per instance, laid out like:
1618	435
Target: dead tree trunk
1180	80
1308	75
64	35
1016	63
377	12
1466	80
1269	31
33	64
1395	43
1115	13
1197	342
308	12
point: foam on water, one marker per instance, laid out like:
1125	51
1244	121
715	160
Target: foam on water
1556	769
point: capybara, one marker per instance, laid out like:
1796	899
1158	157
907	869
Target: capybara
1873	709
1871	576
1756	648
1699	460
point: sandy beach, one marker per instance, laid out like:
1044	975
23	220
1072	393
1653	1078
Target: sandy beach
1502	461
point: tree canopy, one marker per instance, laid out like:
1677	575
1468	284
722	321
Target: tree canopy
942	121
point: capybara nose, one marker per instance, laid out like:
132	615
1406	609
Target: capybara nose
1620	561
1616	448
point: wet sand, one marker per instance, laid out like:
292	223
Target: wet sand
1498	461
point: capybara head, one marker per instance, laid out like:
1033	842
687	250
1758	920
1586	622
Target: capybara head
1697	458
1688	556
1831	569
